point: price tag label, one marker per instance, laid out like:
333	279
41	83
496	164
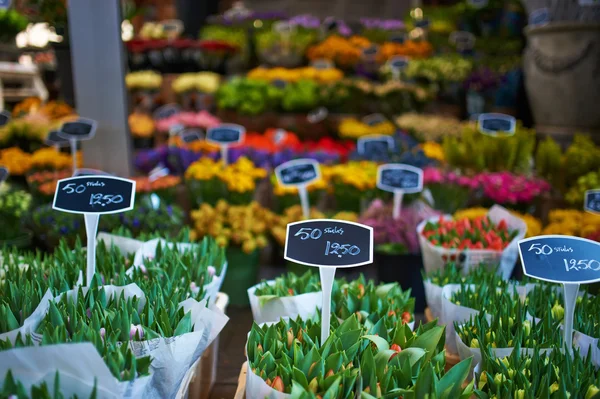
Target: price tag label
478	3
374	119
329	243
398	38
279	83
592	201
280	135
422	23
462	40
4	116
399	177
225	134
159	171
94	195
90	172
399	63
561	259
166	111
374	144
540	16
298	172
172	28
322	64
54	138
497	124
370	52
317	115
190	135
3	174
81	129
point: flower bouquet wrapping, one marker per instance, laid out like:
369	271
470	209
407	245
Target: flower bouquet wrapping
546	301
287	296
537	374
20	387
286	360
506	326
491	240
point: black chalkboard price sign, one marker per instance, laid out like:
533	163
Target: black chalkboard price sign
399	63
375	144
54	138
4	118
400	177
94	194
225	134
298	172
166	111
329	243
3	174
592	201
497	124
190	135
81	129
374	119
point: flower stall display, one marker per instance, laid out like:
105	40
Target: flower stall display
287	197
164	186
285	49
15	160
534	225
203	82
491	240
511	190
351	183
507	327
331	369
478	152
354	128
242	230
328	75
573	223
449	190
345	53
142	128
143	80
430	127
209	181
538	374
14	205
26	135
202	119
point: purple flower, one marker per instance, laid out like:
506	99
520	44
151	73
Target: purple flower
169	210
136	329
88	313
136	222
64	230
102	333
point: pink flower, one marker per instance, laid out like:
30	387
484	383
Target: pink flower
193	286
432	175
102	333
136	329
211	271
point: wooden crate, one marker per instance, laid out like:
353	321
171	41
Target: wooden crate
199	380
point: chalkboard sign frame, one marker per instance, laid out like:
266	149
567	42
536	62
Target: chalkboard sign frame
399	166
241	129
399	62
362	141
295	162
195	133
4	173
566	239
317	115
75	180
492	116
4	118
55	139
93	126
589	194
374	119
90	172
462	39
322	64
156	115
338	223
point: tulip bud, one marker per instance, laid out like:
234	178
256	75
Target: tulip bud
329	373
474	343
591	392
211	270
102	333
313	385
499	379
553	388
290	338
526	328
136	329
558	312
520	394
278	384
268	381
312	366
378	390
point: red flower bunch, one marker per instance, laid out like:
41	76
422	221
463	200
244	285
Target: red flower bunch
479	233
328	146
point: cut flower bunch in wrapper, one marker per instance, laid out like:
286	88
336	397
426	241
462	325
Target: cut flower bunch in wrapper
505	326
453	273
13	388
286	360
551	374
491	240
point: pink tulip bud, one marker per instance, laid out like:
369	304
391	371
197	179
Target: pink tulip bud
102	333
211	271
136	329
193	286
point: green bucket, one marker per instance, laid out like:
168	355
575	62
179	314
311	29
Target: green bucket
242	273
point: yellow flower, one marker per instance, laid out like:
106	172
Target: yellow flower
553	388
353	128
433	150
15	160
470	213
